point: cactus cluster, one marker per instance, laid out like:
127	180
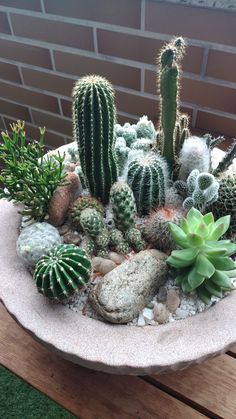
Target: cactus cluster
156	229
127	131
94	116
62	272
203	263
122	153
145	129
148	177
82	203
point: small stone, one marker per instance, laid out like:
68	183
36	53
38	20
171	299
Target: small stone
148	314
62	198
116	257
157	254
72	238
162	294
141	321
172	300
161	313
63	229
106	266
182	314
96	262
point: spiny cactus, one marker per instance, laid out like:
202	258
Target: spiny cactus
226	203
93	118
89	246
62	272
134	238
122	247
118	242
203	263
227	160
156	229
203	190
195	154
144	144
91	222
123	206
148	177
122	152
103	238
145	129
128	132
82	203
181	133
168	81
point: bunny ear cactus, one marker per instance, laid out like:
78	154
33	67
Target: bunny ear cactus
204	265
94	116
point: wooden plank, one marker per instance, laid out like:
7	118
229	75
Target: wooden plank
211	385
86	393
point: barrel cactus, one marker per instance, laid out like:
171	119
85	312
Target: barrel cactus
123	206
94	115
148	177
203	264
35	241
62	272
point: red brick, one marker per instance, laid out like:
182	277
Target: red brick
9	72
27	97
209	95
54	123
118	74
4	25
48	81
22	4
221	65
28	54
194	22
17	111
137	105
218	125
66	107
143	49
2	126
61	33
122	12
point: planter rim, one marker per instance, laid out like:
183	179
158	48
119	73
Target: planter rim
118	349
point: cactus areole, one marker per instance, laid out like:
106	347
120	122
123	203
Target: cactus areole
94	116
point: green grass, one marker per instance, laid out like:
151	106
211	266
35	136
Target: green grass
19	400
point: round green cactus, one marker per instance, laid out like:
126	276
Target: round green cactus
82	203
92	222
89	246
123	206
115	237
103	238
134	238
62	272
203	264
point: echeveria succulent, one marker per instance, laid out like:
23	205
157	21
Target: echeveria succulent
203	263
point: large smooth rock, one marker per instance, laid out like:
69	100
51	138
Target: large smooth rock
124	292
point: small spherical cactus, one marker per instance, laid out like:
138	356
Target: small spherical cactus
92	222
145	128
62	272
35	241
82	203
89	246
123	206
103	238
134	238
115	237
122	247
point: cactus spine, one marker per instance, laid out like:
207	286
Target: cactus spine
123	206
147	177
93	118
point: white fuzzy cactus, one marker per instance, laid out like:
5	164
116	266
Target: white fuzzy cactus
195	154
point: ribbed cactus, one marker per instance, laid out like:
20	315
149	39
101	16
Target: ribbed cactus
202	190
91	222
168	82
134	237
93	118
60	274
148	177
123	206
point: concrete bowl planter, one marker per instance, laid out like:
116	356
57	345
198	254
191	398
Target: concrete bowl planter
101	346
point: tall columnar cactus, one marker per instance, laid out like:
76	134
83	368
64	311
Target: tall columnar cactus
123	206
93	118
168	82
148	177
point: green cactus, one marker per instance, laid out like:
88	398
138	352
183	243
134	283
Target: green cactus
203	263
89	246
82	203
227	159
148	177
123	206
62	272
118	242
203	190
93	118
91	222
122	152
168	83
122	247
181	133
145	129
103	238
134	238
144	144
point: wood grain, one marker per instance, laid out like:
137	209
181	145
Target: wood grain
211	384
86	393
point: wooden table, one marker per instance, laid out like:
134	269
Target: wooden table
206	390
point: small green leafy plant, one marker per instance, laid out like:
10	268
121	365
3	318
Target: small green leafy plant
28	178
203	263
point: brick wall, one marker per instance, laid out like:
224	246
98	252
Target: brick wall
46	44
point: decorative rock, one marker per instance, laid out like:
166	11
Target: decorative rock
157	254
124	292
181	313
160	313
162	294
172	300
141	320
148	315
103	265
116	257
96	262
63	229
63	197
72	238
